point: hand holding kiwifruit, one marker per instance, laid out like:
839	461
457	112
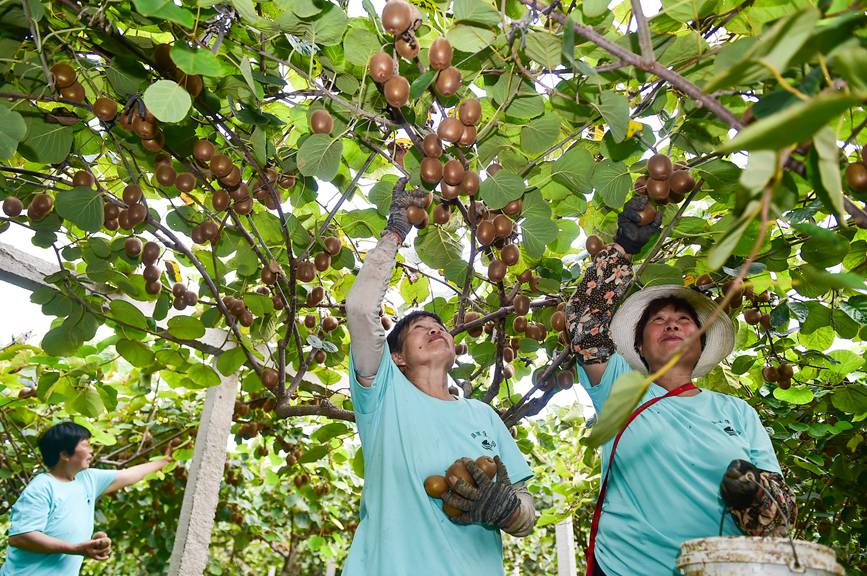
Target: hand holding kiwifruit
401	199
631	234
484	500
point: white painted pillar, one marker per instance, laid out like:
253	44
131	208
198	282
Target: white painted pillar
565	542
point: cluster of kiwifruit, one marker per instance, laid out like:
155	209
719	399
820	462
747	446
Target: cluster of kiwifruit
436	485
305	270
781	374
856	174
221	167
238	309
126	218
166	175
400	19
136	118
66	80
183	297
564	379
248	430
39	207
663	182
166	66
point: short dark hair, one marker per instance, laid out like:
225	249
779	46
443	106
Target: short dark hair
395	337
679	304
61	438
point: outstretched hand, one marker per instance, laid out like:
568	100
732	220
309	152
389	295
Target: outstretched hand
636	224
98	547
401	199
491	503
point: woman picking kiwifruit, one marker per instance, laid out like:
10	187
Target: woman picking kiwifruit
411	428
679	464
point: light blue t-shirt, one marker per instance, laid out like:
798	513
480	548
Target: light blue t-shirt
664	485
407	436
63	510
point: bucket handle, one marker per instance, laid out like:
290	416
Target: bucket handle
797	567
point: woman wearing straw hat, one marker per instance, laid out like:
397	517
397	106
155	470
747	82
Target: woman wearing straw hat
686	454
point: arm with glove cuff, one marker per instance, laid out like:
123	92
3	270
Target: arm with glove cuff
760	501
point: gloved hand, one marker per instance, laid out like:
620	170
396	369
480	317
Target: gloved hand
490	504
740	485
401	199
631	234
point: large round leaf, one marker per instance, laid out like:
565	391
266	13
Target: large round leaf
82	206
319	156
167	101
12	130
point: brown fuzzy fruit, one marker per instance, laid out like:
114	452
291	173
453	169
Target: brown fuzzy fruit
449	192
493	168
594	244
203	151
784	383
470	111
105	109
468	137
82	178
144	128
415	215
785	370
510	254
220	200
166	175
448	81
657	190
407	48
39	207
306	271
74	92
153	288
558	321
459	470
770	374
315	296
64	75
521	304
432	146
396	91
270	378
12	206
310	321
486	233
178	289
320	357
381	67
503	226
330	323
496	271
185	182
453	172
442	214
431	171
440	54
565	379
396	17
132	247
132	194
681	183
435	486
322	261
471	182
856	177
765	321
138	213
221	165
640	185
450	130
488	466
111	211
647	215
151	273
752	316
514	207
659	167
321	122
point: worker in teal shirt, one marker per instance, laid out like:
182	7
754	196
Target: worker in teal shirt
411	428
51	527
689	457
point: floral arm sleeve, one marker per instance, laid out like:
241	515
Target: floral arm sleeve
761	502
589	312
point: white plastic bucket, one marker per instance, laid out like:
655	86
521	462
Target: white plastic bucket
752	556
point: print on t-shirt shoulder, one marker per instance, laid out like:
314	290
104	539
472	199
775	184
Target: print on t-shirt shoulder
482	438
727	427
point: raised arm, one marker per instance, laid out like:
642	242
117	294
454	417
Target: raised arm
131	475
601	290
365	297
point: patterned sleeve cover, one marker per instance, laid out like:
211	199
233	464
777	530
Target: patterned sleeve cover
589	312
773	513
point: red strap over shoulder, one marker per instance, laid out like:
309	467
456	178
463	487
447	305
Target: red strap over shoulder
597	512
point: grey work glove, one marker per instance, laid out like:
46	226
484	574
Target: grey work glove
740	484
630	233
401	199
491	504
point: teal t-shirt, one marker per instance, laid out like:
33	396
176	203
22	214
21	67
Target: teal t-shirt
407	436
664	485
63	510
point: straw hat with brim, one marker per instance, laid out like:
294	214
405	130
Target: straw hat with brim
719	338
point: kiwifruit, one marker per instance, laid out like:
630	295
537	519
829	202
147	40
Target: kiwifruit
220	200
178	289
470	183
503	226
431	171
153	288
210	230
493	168
243	207
241	193
319	357
203	151
396	91
197	236
752	316
132	246
315	296
565	379
657	190
450	130
770	374
286	181
488	466
470	111
558	321
647	215
640	185
381	67
442	214
166	175
310	321
514	207
163	59
525	276
64	75
448	81
12	206
432	146
111	211
322	261
435	486
468	136
508	353
150	253
453	172
155	144
105	109
785	370
332	245
459	470
270	378
137	213
144	129
221	165
305	271
659	167
232	180
396	17
451	511
594	244
681	183
856	176
185	181
277	302
330	323
407	46
178	303
39	207
415	215
496	270
440	54
267	276
123	220
151	273
74	92
246	319
485	233
321	122
510	254
521	304
192	83
82	178
449	192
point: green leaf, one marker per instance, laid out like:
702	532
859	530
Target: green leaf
134	352
794	124
314	454
127	313
470	38
165	9
500	189
247	73
46	143
612	182
615	110
231	360
319	157
477	11
82	206
329	431
720	251
794	395
574	169
851	399
825	143
359	45
688	10
12	131
544	48
414	293
823	248
420	84
851	64
358	463
540	134
536	234
167	101
186	327
87	402
437	246
201	376
326	29
197	61
625	394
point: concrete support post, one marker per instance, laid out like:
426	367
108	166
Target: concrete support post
565	542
